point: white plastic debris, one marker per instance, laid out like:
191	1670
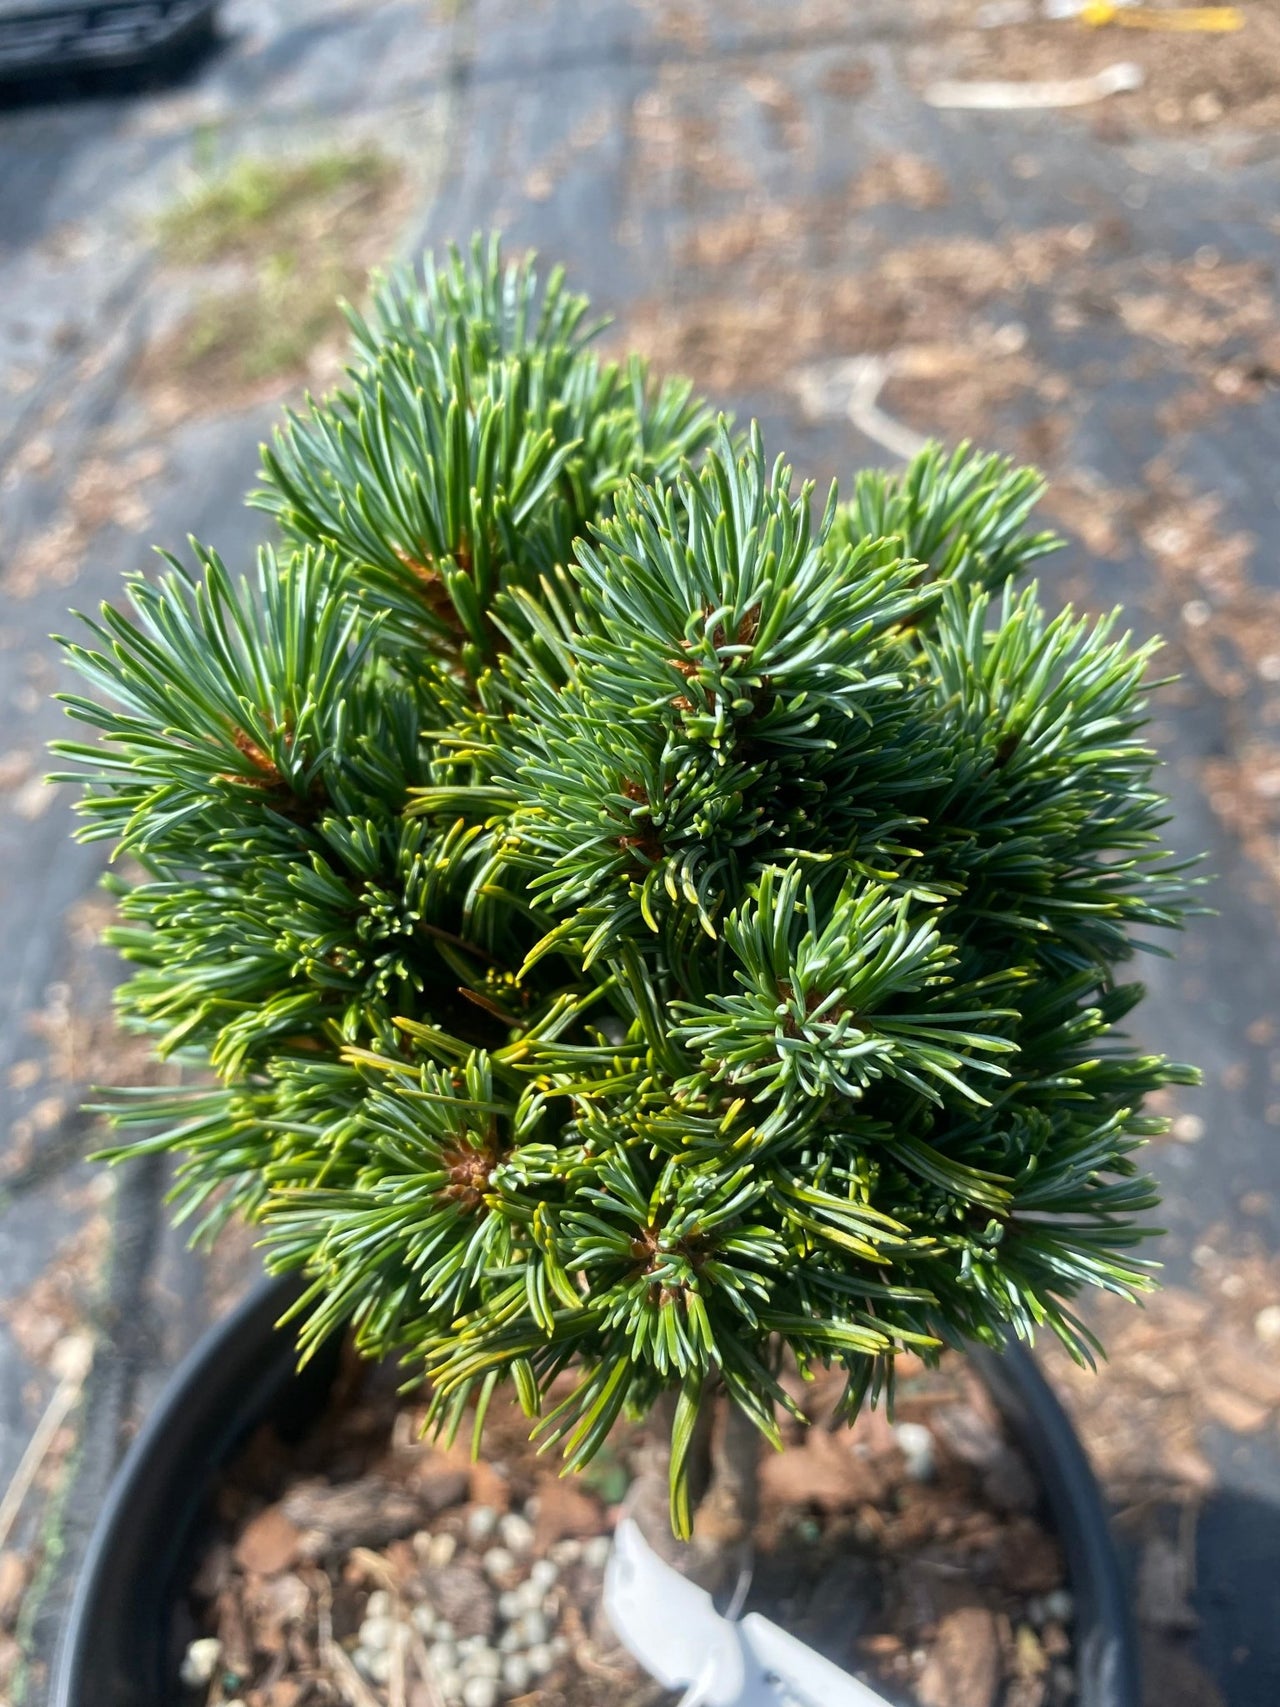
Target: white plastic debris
672	1627
1073	8
996	14
1116	79
852	388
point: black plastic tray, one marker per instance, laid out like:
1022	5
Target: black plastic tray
110	36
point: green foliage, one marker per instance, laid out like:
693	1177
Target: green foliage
636	921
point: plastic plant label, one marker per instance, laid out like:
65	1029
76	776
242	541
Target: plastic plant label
672	1627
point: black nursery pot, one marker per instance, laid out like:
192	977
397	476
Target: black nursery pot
122	1643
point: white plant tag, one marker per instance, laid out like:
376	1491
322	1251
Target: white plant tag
672	1627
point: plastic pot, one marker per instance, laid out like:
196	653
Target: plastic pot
122	1643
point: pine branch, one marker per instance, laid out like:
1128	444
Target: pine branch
616	917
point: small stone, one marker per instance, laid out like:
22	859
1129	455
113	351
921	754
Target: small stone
423	1620
565	1552
378	1666
377	1634
596	1552
533	1629
545	1573
480	1692
1266	1324
483	1663
516	1673
450	1683
440	1551
200	1662
1060	1606
443	1630
471	1645
516	1533
510	1641
443	1656
482	1523
529	1597
560	1647
379	1604
510	1604
916	1446
543	1655
498	1563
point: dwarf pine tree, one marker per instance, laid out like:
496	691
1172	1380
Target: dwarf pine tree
615	915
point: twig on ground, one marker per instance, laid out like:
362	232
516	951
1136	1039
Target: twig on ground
853	388
1117	79
73	1359
346	1679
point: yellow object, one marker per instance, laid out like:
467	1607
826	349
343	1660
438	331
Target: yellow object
1207	19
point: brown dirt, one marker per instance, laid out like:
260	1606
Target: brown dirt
932	1589
263	311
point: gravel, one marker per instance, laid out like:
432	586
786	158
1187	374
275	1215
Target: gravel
533	1629
440	1549
1060	1606
443	1657
499	1564
544	1655
378	1665
482	1525
915	1442
424	1620
516	1534
201	1661
377	1633
517	1673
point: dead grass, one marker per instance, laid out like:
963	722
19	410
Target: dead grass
258	206
289	238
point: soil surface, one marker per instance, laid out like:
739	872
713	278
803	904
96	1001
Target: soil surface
370	1567
767	197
